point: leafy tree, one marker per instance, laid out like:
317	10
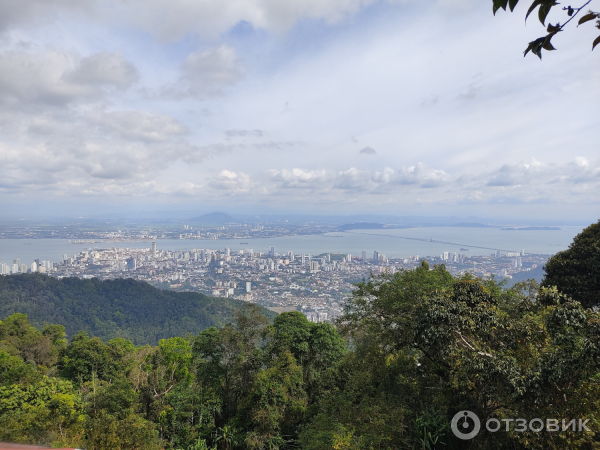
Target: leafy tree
315	346
275	406
38	348
576	271
86	357
13	370
44	412
113	420
545	6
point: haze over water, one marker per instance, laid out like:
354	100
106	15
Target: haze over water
390	242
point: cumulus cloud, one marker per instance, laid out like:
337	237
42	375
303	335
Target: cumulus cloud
14	13
207	73
300	178
228	182
103	69
139	125
58	78
419	174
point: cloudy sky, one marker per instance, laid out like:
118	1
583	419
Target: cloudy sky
327	106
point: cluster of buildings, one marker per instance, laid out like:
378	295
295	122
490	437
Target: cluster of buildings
317	285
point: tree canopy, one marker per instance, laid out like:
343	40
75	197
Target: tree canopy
576	271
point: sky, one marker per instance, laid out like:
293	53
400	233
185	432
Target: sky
421	107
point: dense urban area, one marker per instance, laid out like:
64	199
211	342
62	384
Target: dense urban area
281	280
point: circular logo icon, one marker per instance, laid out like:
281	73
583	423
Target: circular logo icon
465	425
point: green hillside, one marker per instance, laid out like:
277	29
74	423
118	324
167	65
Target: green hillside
124	308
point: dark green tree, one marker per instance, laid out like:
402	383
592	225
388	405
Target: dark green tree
576	271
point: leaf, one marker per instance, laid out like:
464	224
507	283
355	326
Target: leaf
544	10
499	4
512	4
553	28
596	42
532	7
586	18
547	45
536	47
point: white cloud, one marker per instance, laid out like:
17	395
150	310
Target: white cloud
139	125
206	73
300	178
57	78
103	69
228	182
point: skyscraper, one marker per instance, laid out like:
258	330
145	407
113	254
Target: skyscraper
154	249
248	287
364	255
375	257
272	251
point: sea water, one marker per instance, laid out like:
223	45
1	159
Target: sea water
394	243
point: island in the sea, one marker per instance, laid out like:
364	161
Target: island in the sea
532	229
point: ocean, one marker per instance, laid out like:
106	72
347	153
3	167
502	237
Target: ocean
394	243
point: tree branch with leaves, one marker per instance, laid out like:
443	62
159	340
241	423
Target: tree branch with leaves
544	43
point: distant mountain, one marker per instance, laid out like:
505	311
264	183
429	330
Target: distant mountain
113	308
471	225
216	218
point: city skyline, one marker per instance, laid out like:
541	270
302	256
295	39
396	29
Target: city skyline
336	106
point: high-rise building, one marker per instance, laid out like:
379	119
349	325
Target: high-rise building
15	269
314	266
349	257
34	267
522	252
131	264
154	249
227	251
248	287
202	255
364	255
23	268
303	259
17	262
375	257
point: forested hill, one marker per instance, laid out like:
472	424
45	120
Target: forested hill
124	308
